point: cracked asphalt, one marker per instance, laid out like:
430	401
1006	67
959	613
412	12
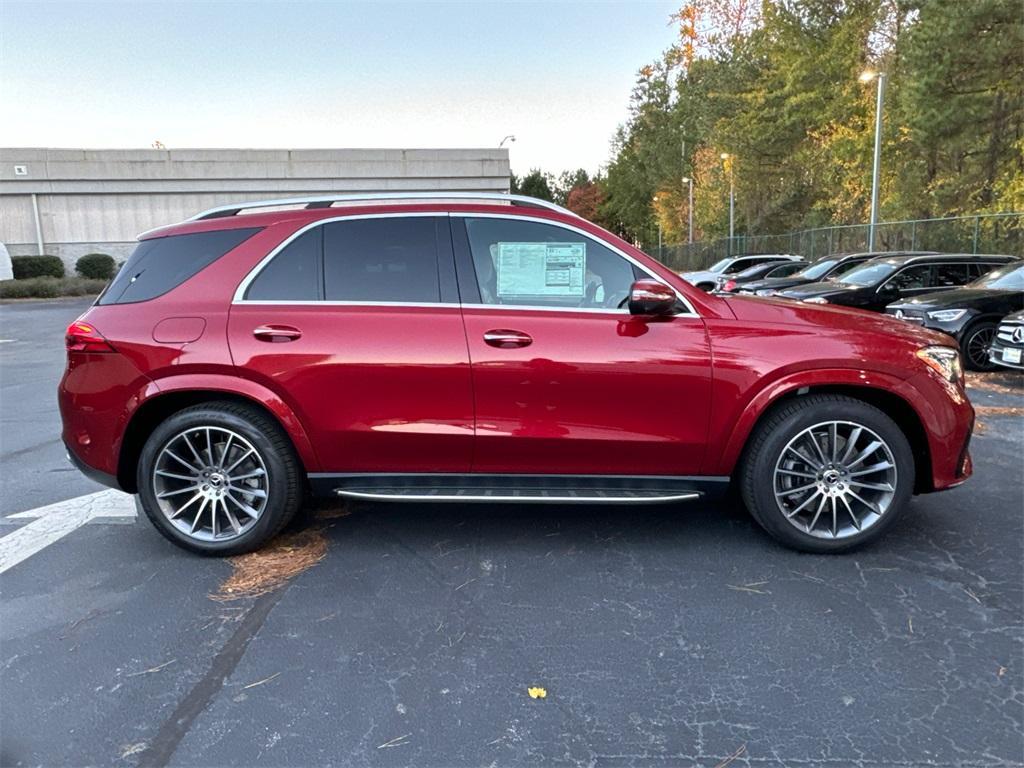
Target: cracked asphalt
664	636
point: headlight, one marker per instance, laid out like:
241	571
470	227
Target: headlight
947	315
816	300
945	361
765	292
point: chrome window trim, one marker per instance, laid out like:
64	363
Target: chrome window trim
691	312
910	264
238	297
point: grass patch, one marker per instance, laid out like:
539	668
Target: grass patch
50	287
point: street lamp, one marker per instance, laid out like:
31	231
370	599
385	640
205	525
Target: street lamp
689	209
866	77
510	138
727	161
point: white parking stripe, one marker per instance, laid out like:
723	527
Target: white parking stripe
56	521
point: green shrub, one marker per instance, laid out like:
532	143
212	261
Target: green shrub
37	266
96	265
50	287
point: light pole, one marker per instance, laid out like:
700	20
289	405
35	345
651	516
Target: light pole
659	227
510	138
727	161
866	77
689	209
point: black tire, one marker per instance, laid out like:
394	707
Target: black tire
773	434
284	484
973	343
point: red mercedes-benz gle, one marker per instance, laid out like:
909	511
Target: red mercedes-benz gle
485	347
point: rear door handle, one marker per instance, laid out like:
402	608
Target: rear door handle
276	333
505	339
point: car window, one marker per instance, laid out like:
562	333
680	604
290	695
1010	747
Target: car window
870	273
951	274
385	259
739	265
842	269
294	273
917	276
527	263
1005	278
817	269
785	270
719	265
162	263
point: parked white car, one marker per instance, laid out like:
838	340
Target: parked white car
706	279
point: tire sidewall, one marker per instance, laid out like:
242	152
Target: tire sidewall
762	492
275	464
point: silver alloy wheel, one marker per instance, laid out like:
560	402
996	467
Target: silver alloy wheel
835	479
210	483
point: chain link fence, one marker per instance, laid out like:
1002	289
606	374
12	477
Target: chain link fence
984	233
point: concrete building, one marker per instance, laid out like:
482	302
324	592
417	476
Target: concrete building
69	202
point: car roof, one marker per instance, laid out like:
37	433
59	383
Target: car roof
938	258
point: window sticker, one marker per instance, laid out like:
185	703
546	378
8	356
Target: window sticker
541	269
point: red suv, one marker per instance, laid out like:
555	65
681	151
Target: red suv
486	348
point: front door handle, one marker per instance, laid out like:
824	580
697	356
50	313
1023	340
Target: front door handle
505	339
276	333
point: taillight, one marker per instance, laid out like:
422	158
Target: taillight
729	285
82	337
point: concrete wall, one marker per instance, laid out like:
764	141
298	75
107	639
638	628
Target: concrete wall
99	200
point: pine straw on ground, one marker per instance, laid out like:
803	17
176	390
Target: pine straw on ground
1005	383
981	427
263	571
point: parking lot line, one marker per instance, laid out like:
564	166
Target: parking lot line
55	521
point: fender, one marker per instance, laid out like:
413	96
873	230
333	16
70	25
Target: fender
734	436
235	385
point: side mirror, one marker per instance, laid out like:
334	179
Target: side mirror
889	289
649	297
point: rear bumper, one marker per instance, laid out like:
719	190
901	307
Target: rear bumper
101	477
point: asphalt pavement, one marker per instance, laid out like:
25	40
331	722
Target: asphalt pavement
661	636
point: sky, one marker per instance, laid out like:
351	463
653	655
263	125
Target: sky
557	75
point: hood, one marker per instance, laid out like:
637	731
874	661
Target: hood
962	298
769	310
823	288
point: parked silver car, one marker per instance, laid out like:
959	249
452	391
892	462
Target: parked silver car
706	279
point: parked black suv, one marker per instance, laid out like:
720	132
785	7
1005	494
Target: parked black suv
970	314
879	282
827	268
1008	346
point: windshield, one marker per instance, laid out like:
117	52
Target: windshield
868	274
817	269
1008	278
719	266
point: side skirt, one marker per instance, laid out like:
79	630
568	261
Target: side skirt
517	489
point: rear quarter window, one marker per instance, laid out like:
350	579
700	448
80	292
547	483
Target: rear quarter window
159	265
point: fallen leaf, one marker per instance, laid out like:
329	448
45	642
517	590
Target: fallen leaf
537	693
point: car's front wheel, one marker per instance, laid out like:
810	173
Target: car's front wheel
825	473
219	478
975	344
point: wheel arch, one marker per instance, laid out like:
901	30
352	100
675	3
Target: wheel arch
893	405
165	402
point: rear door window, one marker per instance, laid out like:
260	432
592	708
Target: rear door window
947	275
294	273
387	259
161	264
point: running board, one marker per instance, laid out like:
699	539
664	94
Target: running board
516	495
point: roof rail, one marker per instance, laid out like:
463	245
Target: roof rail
325	201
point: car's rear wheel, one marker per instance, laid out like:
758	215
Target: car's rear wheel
825	473
219	479
975	344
